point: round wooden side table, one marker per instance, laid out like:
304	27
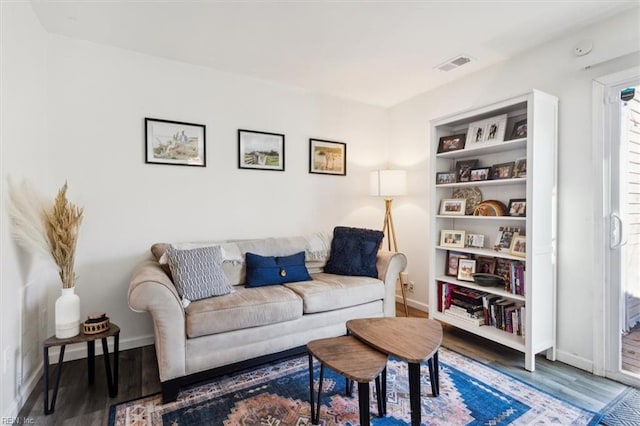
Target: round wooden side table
90	339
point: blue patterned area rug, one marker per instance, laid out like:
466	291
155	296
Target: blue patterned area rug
624	411
278	395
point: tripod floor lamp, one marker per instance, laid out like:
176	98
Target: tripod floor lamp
388	184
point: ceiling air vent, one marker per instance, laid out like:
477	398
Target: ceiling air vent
454	63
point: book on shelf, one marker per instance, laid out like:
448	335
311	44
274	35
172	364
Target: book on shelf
471	320
513	273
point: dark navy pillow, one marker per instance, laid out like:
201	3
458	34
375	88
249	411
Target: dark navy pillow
354	252
270	270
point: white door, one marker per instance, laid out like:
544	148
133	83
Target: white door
622	227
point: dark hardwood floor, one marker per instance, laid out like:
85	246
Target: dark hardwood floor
81	405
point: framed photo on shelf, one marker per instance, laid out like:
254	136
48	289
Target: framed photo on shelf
480	174
520	168
518	207
445	177
466	269
327	157
260	150
453	206
487	131
463	170
175	143
452	238
519	129
452	143
475	240
518	245
475	134
502	170
486	265
452	262
504	237
494	129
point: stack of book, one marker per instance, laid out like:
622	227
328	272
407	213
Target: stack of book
465	304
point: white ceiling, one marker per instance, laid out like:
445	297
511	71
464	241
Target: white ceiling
377	52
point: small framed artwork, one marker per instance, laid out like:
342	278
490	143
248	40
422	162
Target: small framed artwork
452	238
475	240
445	177
463	170
494	129
504	237
466	269
520	168
518	207
260	150
486	265
327	157
502	170
452	262
475	134
519	129
480	174
518	245
452	143
174	142
453	206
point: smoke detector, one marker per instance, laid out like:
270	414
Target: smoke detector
454	63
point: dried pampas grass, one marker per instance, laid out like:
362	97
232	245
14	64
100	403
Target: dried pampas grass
47	228
27	211
62	224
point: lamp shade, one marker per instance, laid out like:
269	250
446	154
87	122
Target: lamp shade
388	183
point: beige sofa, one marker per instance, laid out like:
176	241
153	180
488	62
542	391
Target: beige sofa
253	325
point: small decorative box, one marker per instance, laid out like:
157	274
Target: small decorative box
97	322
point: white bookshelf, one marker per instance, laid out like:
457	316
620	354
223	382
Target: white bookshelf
538	188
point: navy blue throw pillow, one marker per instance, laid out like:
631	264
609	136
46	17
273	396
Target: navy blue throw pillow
354	252
270	270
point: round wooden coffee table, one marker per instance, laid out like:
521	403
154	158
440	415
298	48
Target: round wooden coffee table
354	360
410	339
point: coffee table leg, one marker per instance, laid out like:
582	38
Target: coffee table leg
363	403
384	391
320	383
379	397
414	393
312	403
432	378
436	367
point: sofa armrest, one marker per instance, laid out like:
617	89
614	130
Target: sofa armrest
389	265
152	290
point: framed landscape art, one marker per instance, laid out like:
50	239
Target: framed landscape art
174	142
327	157
260	150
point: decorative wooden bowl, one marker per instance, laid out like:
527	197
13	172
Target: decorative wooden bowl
490	208
487	280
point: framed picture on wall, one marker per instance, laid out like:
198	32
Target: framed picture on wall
175	143
327	157
260	150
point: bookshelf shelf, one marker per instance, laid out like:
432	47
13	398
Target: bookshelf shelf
533	271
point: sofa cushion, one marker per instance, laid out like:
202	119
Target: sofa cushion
354	252
271	270
197	273
246	307
328	292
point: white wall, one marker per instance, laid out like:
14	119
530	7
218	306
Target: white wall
551	68
93	137
99	97
23	152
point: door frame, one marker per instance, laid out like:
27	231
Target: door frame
606	297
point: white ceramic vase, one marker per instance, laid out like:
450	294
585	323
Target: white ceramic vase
67	314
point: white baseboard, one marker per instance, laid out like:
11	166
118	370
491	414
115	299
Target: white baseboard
413	303
575	361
